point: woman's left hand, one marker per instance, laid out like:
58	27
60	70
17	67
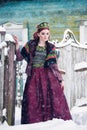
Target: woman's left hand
62	85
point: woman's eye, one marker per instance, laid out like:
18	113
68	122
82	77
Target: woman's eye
43	33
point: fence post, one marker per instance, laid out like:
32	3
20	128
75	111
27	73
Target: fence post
6	79
1	82
11	85
2	37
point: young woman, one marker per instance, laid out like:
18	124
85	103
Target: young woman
43	97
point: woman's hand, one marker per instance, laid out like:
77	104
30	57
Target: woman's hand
62	85
16	42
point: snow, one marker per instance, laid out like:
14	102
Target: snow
80	66
81	102
48	125
79	111
80	115
79	122
17	115
3	44
2	29
9	37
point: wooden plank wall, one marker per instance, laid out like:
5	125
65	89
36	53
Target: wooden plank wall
75	81
80	76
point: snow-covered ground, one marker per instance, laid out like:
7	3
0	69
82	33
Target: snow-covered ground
79	122
49	125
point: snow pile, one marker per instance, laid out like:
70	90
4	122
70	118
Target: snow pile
79	111
81	102
79	115
9	37
48	125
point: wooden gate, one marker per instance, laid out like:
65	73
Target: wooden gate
73	61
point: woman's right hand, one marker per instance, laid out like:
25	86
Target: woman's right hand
16	41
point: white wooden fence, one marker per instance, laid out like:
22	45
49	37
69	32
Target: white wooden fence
73	62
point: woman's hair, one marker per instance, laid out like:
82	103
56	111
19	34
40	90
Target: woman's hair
40	27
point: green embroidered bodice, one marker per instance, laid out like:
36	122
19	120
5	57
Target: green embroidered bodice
39	58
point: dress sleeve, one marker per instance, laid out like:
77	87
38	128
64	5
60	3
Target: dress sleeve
55	70
24	53
19	57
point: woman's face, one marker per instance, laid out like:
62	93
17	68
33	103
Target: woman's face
44	35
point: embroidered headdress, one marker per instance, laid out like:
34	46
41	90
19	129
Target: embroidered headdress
43	25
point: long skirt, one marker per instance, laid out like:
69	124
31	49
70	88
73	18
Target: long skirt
43	98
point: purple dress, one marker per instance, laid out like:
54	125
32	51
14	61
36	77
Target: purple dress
43	98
